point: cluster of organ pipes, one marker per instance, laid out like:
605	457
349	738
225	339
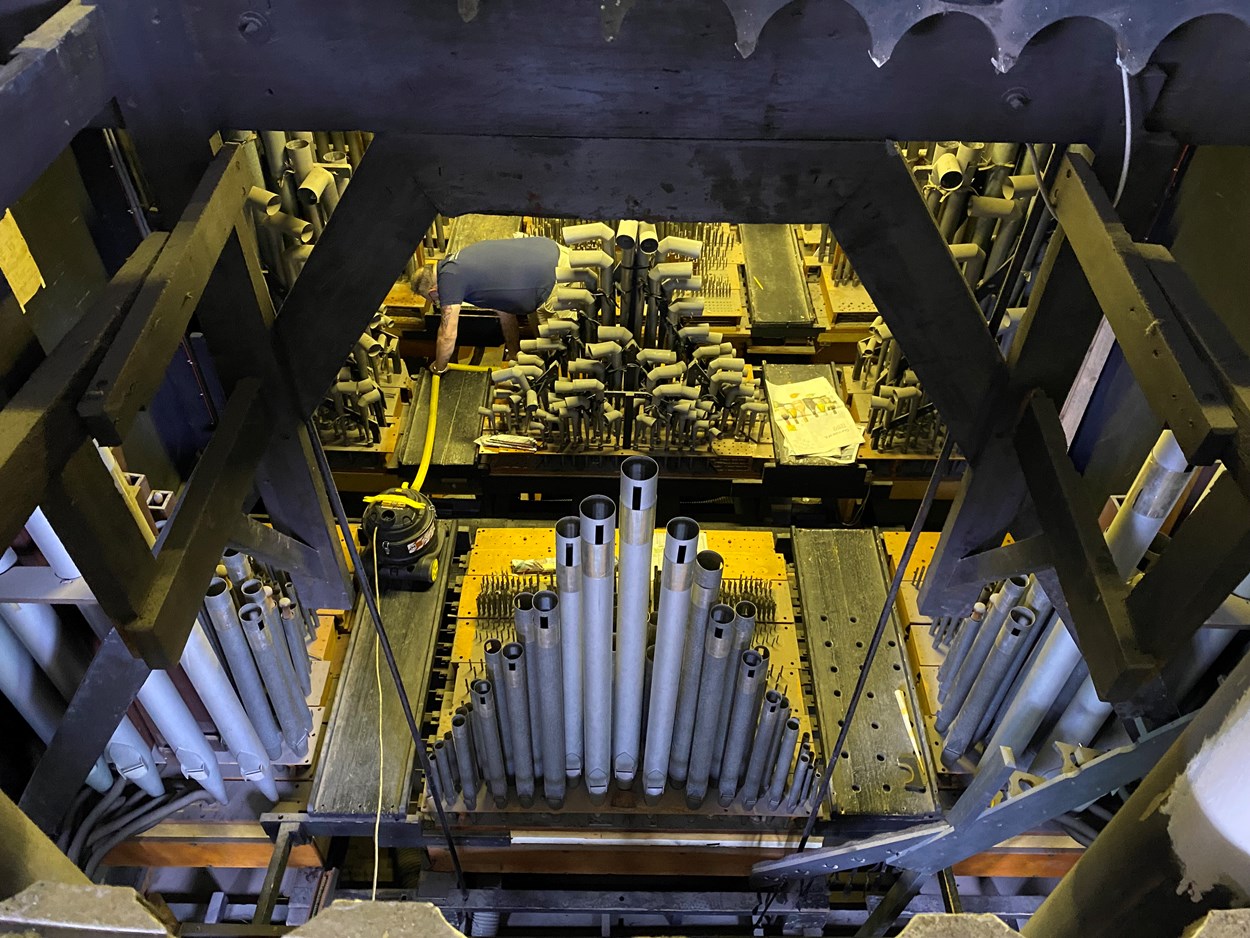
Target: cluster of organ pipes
582	692
624	360
354	410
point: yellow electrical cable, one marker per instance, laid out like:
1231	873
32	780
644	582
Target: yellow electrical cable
428	450
377	673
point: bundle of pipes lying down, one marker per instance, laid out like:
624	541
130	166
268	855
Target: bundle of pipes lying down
641	371
261	640
687	709
1013	675
354	410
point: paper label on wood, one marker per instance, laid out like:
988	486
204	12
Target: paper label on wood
16	262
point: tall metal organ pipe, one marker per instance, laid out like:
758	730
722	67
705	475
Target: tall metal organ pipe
598	534
550	668
636	522
569	589
743	631
525	621
747	680
493	650
771	716
717	649
708	569
517	691
672	617
486	717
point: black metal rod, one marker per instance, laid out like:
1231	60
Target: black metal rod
922	513
384	641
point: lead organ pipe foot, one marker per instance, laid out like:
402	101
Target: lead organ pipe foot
639	481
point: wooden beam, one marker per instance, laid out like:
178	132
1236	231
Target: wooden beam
40	428
57	80
1092	599
138	357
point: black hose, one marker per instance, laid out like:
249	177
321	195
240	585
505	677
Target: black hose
140	824
93	817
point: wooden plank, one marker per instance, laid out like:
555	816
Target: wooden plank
56	81
605	861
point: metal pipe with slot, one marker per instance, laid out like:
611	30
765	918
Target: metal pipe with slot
487	729
717	649
292	712
743	632
772	717
550	667
495	668
708	569
746	703
517	691
525	621
598	534
639	479
569	589
672	618
781	765
469	782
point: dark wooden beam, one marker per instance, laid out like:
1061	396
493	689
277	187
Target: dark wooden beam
237	315
58	79
192	541
107	689
275	548
1178	384
1019	557
90	516
136	361
40	428
1091	601
1207	558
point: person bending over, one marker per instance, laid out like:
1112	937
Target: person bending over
512	276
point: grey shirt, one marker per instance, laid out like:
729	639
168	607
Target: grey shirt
511	275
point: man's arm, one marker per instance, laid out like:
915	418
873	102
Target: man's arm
445	346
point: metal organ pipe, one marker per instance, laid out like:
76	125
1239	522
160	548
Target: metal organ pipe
517	691
708	570
525	621
743	630
598	534
165	707
771	717
672	617
781	767
40	531
550	667
493	650
291	709
569	589
487	729
746	682
469	783
636	513
717	650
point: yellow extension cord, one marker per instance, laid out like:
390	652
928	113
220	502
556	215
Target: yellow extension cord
428	450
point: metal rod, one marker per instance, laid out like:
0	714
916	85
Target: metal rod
551	694
598	532
672	617
708	569
375	615
636	529
926	503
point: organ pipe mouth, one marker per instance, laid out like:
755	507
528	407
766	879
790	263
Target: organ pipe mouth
683	529
722	614
493	646
513	651
745	609
544	601
523	602
1022	616
598	508
1020	581
710	560
252	613
459	720
216	586
640	468
481	687
772	699
751	659
570	527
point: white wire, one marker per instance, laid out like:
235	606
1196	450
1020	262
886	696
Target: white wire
377	671
1128	132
